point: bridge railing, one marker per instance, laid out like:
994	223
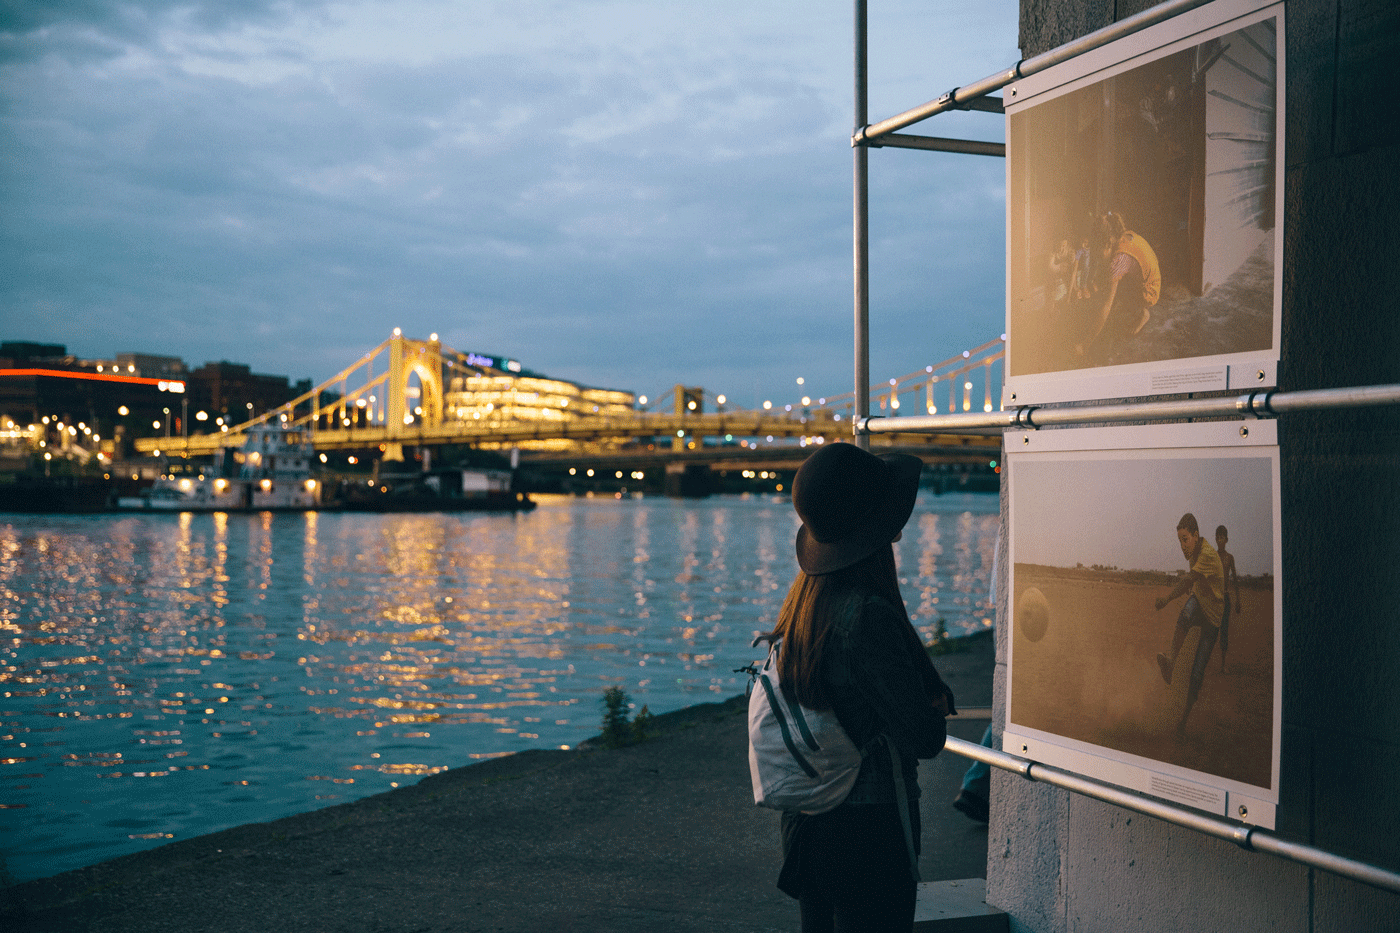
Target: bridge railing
969	381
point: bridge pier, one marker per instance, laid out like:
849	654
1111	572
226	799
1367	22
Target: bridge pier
688	481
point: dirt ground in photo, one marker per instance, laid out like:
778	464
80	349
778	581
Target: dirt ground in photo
1094	676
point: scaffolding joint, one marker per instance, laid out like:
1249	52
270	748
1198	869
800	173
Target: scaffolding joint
859	138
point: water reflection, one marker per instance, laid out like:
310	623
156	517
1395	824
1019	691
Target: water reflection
165	676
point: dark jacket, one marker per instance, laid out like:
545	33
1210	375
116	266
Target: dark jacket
881	682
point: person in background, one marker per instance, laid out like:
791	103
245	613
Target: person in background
975	797
1232	584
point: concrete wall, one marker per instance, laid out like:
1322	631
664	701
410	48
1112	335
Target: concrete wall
1060	862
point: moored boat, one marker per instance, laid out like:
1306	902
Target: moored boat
270	472
454	489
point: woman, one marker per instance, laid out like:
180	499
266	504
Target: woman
848	646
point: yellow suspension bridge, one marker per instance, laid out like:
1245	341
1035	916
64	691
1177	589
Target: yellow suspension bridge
421	393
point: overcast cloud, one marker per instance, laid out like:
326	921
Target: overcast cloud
628	194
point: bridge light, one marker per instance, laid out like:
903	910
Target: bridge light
201	416
787	408
721	399
806	400
680	434
398	332
641	400
691	405
767	405
123	410
799	380
590	472
433	337
619	474
573	471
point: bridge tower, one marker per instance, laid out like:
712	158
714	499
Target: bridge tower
690	400
687	479
422	358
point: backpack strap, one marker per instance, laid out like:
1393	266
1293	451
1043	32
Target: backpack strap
901	798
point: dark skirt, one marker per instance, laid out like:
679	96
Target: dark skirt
857	849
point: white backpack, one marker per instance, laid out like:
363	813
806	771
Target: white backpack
799	759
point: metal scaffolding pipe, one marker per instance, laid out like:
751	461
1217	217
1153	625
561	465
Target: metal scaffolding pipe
1246	837
1255	404
939	144
960	98
861	238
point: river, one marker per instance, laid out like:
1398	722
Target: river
166	676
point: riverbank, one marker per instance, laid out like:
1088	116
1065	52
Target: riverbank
658	836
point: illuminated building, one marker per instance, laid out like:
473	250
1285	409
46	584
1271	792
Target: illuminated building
498	396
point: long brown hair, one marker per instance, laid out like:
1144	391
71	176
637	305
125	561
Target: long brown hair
812	607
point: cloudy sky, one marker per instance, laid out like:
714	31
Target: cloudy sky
627	193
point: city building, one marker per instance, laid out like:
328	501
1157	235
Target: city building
52	397
495	396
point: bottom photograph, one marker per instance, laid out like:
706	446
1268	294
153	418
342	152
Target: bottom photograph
1145	648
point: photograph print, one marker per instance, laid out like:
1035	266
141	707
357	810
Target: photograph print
1144	608
1142	215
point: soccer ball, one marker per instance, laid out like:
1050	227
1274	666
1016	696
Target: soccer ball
1032	614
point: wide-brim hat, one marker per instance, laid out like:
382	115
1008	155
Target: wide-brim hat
852	503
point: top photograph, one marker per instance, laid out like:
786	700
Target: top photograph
1142	221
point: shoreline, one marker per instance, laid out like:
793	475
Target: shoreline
660	834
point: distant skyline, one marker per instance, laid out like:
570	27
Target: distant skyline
1123	512
619	193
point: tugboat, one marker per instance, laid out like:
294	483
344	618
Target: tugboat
270	472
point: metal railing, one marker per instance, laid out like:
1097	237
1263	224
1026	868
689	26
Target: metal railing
1253	404
1249	838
